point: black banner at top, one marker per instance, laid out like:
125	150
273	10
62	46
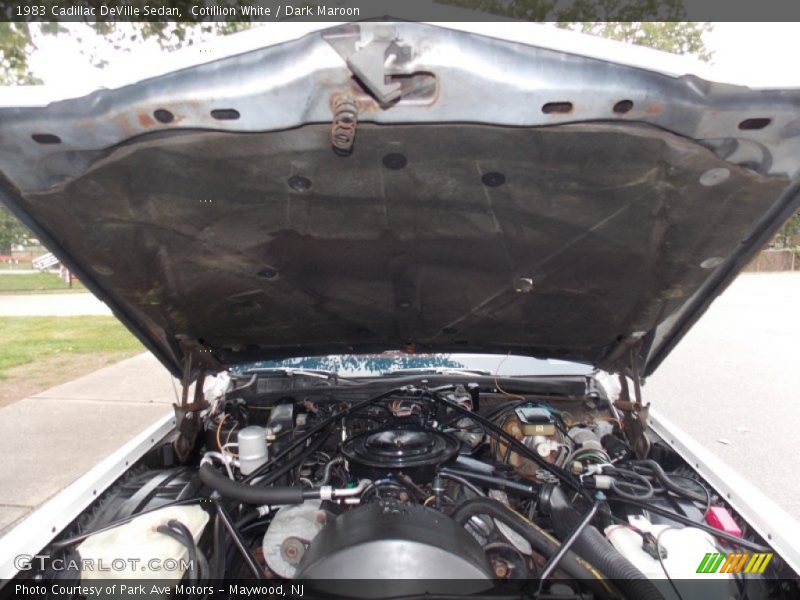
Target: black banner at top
412	10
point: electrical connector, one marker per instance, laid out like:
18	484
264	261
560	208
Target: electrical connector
651	546
594	469
719	518
597	482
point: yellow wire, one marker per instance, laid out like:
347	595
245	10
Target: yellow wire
227	439
497	384
219	428
219	441
505	393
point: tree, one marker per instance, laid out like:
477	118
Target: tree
653	24
18	41
674	37
579	11
15	45
788	236
11	231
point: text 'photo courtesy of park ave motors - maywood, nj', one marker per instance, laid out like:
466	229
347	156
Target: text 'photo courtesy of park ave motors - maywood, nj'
111	11
160	590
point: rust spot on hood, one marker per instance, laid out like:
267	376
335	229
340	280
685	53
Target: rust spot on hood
145	120
655	109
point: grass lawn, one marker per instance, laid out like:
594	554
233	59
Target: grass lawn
34	282
39	352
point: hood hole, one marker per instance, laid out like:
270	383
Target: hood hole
753	124
559	108
268	273
162	115
394	161
493	179
623	106
299	183
46	138
225	114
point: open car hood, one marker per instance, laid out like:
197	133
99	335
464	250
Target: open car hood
498	197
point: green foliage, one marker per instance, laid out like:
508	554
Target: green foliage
579	10
789	234
11	231
654	24
15	46
17	40
170	36
674	37
35	283
25	339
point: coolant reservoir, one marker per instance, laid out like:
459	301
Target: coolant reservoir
136	550
685	549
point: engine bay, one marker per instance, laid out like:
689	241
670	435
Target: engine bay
457	484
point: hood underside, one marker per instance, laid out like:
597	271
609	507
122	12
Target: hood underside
572	240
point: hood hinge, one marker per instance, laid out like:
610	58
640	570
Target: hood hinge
635	418
197	361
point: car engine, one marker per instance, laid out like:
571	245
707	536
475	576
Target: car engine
449	483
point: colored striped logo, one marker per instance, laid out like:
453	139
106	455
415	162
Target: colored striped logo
736	562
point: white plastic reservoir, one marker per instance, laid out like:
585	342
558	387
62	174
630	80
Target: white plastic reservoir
685	548
136	550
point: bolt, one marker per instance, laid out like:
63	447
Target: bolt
500	569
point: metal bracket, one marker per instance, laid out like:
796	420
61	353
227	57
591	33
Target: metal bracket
187	420
372	54
623	358
636	414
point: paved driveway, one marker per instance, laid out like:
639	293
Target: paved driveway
52	438
733	383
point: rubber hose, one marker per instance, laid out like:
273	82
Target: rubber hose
539	540
326	474
205	569
593	547
666	481
202	561
291	462
250	494
191	548
218	555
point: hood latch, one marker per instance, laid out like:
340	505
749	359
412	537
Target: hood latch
372	54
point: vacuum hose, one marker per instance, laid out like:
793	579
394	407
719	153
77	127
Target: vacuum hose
593	547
